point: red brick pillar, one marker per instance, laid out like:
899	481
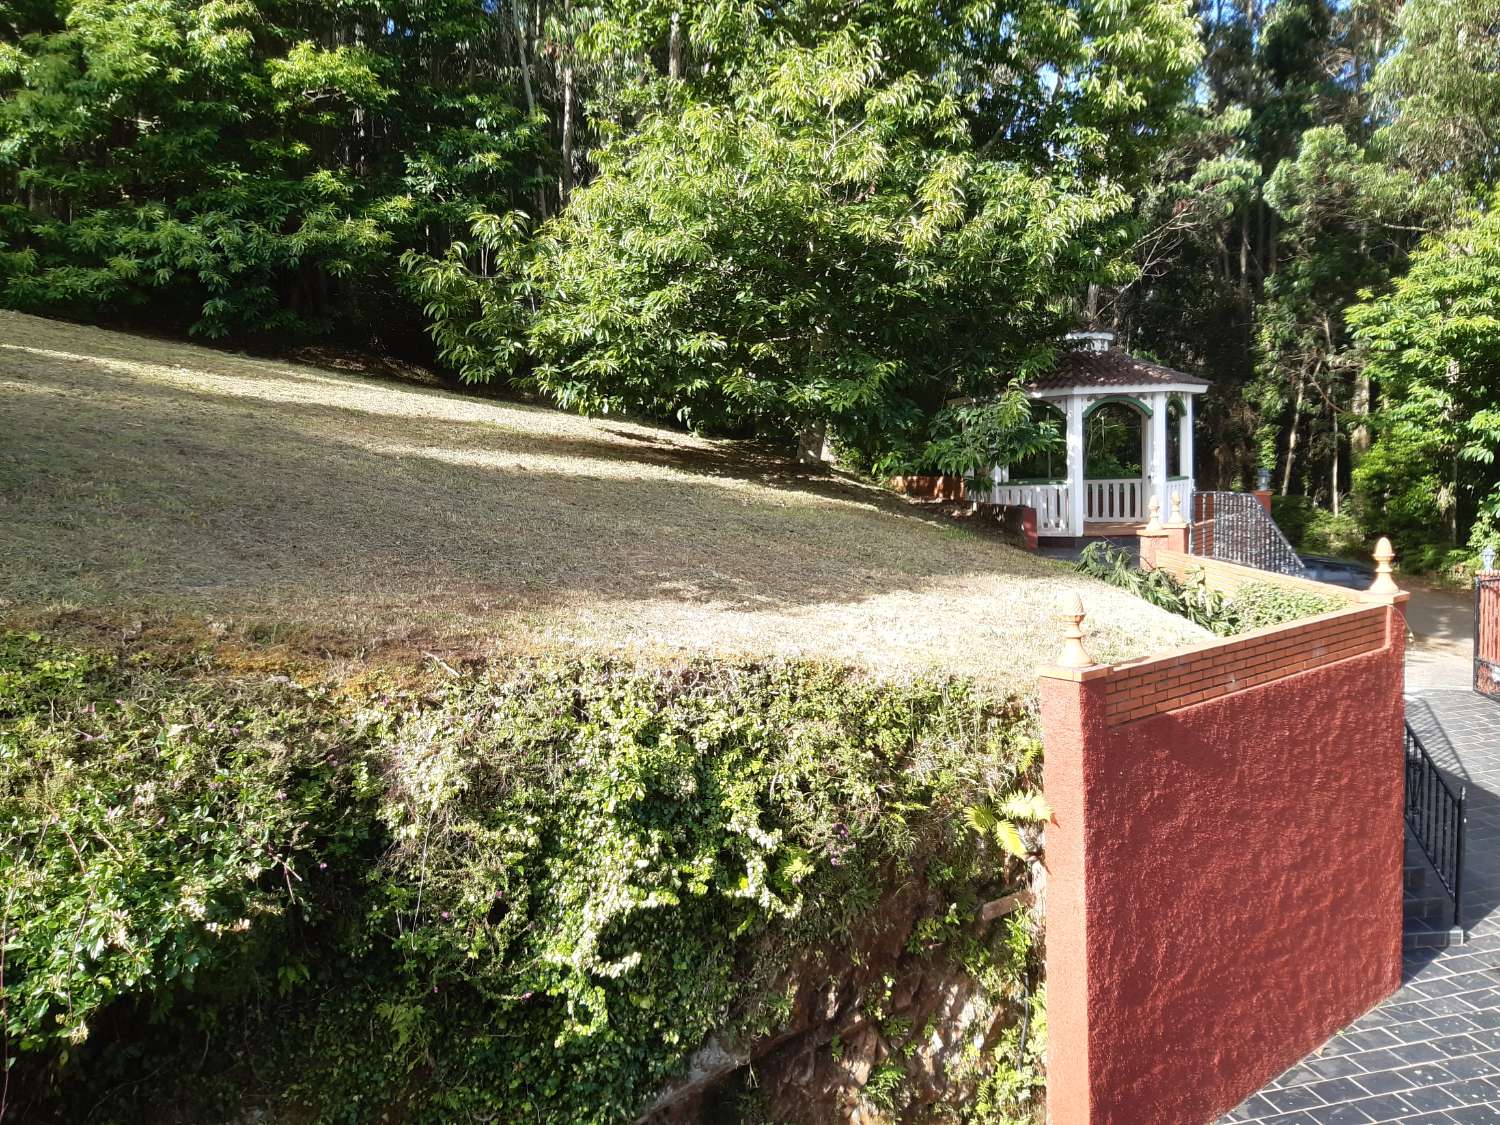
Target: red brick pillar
1264	496
1069	707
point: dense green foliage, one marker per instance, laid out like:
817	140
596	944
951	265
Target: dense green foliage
1255	605
842	220
1327	140
1434	344
743	216
246	168
528	891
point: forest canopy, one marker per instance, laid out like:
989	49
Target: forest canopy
869	219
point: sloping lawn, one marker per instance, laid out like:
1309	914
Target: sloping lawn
142	476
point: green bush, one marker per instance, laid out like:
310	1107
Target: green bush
526	892
1191	599
1339	535
1259	604
155	832
1253	606
1292	514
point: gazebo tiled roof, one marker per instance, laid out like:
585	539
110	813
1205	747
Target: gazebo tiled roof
1085	367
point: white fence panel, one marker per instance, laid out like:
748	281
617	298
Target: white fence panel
1049	500
1114	501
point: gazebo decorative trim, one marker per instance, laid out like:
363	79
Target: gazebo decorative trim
1083	380
1125	400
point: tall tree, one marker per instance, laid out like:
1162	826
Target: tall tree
848	214
1434	349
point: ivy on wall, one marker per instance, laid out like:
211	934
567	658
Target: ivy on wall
530	890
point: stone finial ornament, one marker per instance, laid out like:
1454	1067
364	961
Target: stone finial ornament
1384	583
1153	525
1073	654
1177	509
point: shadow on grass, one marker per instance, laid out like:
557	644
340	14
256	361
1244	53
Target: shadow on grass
118	485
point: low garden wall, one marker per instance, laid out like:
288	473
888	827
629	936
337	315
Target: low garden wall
1224	858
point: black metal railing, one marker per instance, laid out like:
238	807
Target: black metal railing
1435	815
1235	527
1487	635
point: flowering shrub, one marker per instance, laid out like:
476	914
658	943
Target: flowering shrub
524	893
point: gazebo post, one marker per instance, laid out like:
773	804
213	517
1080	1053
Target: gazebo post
1185	442
1077	465
1159	448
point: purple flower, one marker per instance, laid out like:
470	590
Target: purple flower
322	867
446	916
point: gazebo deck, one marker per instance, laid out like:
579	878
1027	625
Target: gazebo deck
1096	529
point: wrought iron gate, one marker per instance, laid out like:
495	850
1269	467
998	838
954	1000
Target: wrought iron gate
1487	635
1435	815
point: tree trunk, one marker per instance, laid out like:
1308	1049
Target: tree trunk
567	136
1333	472
812	443
1359	437
1291	441
674	49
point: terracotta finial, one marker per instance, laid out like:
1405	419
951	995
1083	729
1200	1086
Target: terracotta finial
1153	524
1073	654
1384	583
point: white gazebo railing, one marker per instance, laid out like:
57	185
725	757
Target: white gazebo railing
1049	500
1115	500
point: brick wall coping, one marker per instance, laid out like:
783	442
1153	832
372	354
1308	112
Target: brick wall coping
1182	677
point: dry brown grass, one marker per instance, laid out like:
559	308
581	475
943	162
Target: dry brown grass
145	476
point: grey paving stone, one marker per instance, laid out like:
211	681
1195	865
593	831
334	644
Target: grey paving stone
1425	1051
1452	1025
1346	1113
1336	1066
1475	1091
1339	1090
1472	1066
1372	1038
1256	1108
1430	1098
1292	1097
1385	1107
1417	1032
1453	1046
1394	1057
1385	1081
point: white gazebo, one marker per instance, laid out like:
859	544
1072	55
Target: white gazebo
1085	379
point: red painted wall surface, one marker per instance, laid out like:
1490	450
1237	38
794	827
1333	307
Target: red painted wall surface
1224	885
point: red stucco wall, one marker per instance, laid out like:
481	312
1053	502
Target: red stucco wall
1224	883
